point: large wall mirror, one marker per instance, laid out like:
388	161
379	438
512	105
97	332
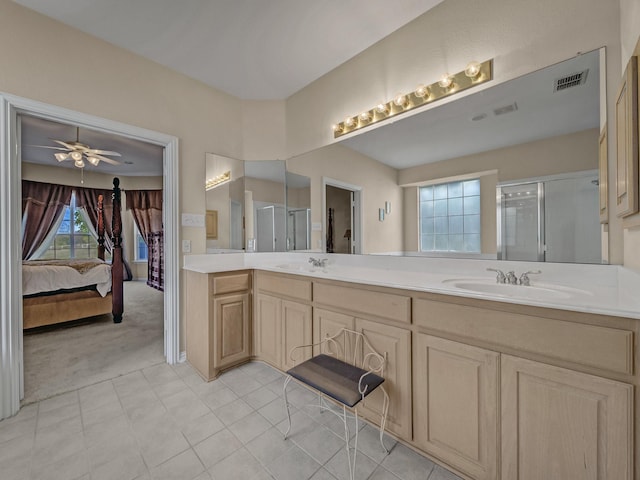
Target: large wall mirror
506	173
224	197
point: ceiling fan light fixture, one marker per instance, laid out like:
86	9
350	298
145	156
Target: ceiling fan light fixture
79	163
77	156
61	157
93	161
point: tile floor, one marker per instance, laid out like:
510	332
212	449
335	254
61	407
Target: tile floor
164	422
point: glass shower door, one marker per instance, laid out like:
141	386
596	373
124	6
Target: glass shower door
521	222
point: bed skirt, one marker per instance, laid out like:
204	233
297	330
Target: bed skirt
64	307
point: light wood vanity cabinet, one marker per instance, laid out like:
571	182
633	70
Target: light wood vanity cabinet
283	319
564	413
456	404
380	315
558	423
218	318
395	343
496	391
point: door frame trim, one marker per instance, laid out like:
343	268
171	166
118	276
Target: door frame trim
11	344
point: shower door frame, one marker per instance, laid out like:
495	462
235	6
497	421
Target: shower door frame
501	228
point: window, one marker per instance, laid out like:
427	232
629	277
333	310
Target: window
141	252
450	217
73	239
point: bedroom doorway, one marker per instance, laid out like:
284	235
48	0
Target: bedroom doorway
11	337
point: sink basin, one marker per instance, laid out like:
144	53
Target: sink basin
539	291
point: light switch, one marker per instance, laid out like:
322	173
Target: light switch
186	246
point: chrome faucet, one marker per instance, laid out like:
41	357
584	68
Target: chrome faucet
317	262
524	278
511	278
500	277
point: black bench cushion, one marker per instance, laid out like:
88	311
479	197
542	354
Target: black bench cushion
335	378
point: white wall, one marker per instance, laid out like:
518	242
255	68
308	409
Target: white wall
629	29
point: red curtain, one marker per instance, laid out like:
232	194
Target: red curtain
42	205
146	208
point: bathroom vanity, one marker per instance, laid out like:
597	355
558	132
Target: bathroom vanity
492	381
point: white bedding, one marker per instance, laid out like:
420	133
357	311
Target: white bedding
49	278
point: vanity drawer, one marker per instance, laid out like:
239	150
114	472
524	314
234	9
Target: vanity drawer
380	304
283	286
590	345
236	282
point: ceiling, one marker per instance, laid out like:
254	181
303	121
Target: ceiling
138	158
252	49
450	131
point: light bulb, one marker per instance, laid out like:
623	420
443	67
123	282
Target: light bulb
61	157
79	163
400	100
93	161
365	116
382	108
445	81
337	128
472	70
76	156
349	122
422	91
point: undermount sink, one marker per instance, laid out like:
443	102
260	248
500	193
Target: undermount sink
538	291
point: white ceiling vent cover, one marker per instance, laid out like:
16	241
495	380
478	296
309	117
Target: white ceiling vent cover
569	81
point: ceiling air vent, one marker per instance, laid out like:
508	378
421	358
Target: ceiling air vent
569	81
506	109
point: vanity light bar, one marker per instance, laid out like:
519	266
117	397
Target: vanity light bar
475	74
217	180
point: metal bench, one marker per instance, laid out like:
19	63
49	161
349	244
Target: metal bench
347	370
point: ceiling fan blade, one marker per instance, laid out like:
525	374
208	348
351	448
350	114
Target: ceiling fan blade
107	160
95	151
44	146
65	144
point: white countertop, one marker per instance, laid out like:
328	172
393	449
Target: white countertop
600	289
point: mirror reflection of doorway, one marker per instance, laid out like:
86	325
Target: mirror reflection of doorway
340	217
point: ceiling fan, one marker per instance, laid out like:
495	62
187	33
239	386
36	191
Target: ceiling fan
79	152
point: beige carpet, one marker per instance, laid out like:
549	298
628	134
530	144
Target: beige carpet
61	359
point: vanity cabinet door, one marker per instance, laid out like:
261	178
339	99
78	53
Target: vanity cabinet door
326	324
627	141
395	344
296	331
231	329
268	329
455	413
557	423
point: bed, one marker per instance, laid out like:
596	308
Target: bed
56	291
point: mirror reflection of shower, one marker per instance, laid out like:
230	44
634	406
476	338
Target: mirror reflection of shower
550	219
298	212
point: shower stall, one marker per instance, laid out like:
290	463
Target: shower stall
554	219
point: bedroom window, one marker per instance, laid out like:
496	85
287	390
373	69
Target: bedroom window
450	217
141	251
74	237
